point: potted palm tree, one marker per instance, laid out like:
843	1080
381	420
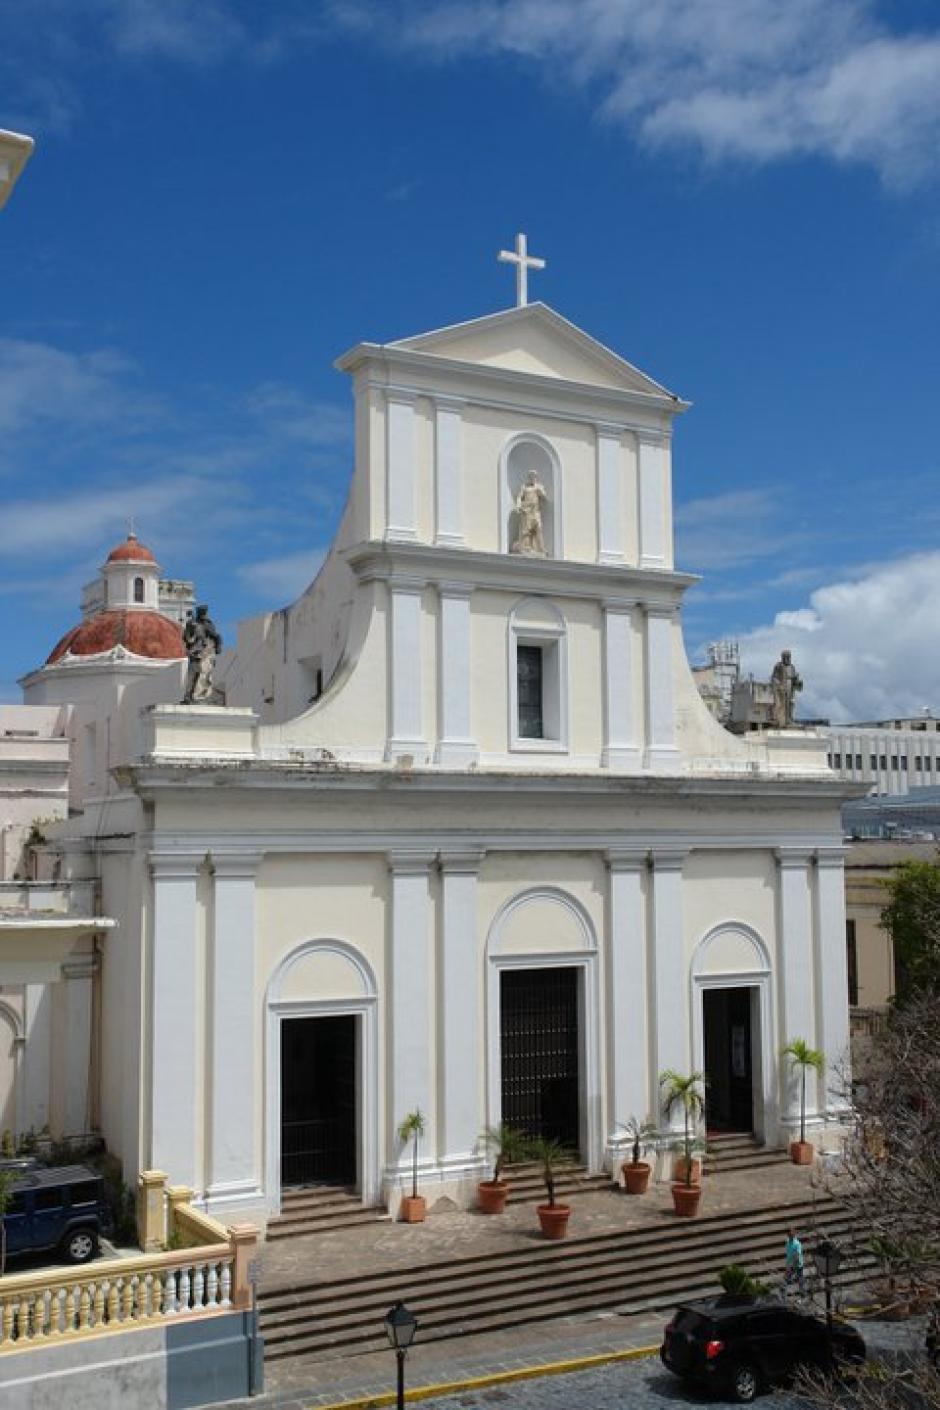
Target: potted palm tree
508	1145
553	1217
687	1093
636	1172
803	1058
413	1206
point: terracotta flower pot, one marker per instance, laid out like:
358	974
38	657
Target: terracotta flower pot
680	1169
491	1196
413	1209
685	1200
554	1219
636	1177
802	1152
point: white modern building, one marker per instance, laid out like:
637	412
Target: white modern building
465	837
891	756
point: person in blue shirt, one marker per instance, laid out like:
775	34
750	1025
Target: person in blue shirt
794	1261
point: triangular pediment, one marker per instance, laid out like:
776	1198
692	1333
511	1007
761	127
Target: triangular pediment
537	340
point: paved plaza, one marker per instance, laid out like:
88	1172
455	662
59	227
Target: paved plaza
454	1234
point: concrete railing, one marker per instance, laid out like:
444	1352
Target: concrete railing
40	1308
208	1274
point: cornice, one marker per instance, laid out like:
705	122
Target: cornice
407	372
659	588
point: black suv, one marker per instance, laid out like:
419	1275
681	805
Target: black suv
61	1208
737	1345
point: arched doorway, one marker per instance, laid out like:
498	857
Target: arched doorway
732	1030
321	1092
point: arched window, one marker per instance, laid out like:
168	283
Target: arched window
521	455
138	589
538	677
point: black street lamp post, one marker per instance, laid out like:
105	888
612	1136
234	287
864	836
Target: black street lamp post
828	1257
400	1328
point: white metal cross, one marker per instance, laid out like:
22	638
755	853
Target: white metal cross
523	262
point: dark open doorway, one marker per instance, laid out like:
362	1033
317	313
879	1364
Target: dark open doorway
540	1051
318	1101
726	1020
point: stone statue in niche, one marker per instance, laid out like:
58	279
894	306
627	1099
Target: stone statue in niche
785	683
529	539
203	643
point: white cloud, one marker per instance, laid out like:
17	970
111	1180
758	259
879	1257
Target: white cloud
43	383
74	523
867	649
283	577
750	80
732	529
287	412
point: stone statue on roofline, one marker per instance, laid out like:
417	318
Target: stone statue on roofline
529	538
203	643
785	684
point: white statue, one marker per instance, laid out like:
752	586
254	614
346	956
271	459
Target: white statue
529	538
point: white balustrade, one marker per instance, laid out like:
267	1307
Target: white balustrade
34	1308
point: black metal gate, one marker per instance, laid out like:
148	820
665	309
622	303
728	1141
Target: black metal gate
318	1100
540	1052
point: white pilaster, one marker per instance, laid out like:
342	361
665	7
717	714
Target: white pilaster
832	990
78	976
610	505
408	968
37	1056
621	746
405	664
233	1057
459	1117
400	467
661	751
447	473
668	980
651	475
456	745
173	1017
795	971
627	1038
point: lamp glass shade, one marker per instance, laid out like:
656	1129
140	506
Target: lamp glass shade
400	1327
827	1257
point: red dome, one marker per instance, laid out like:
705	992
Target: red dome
143	633
131	550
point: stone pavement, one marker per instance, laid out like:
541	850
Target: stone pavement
449	1233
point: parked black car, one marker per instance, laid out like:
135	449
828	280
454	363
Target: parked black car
59	1207
739	1345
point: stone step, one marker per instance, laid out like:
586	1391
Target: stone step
320	1208
652	1267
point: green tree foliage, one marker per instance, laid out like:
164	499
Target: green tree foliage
912	919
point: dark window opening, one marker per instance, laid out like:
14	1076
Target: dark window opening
529	692
851	956
138	589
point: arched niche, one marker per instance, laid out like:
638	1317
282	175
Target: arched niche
322	970
522	453
542	921
731	948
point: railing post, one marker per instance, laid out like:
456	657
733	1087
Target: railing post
177	1195
151	1210
244	1244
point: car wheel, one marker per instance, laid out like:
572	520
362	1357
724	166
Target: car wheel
745	1383
80	1245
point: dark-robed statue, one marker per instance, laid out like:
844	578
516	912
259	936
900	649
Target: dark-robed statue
203	643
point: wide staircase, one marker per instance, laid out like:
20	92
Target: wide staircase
626	1272
728	1151
317	1209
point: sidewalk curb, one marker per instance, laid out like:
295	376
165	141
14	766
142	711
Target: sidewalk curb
494	1378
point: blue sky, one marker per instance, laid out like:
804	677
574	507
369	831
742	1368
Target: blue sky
739	196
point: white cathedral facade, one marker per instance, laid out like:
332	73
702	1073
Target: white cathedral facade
464	837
